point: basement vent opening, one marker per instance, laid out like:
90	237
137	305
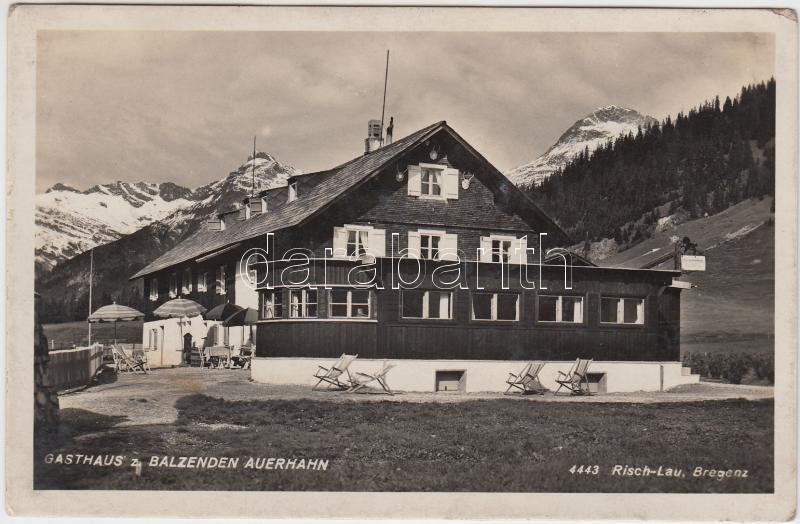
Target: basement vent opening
451	380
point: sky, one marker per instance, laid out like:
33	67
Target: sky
183	107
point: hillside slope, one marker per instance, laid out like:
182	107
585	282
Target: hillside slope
65	289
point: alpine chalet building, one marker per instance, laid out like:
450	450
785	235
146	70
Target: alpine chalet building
422	253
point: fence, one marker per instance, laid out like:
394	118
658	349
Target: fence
55	345
74	367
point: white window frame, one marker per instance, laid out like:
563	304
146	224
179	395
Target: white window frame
202	282
560	309
302	305
186	283
274	299
220	284
361	234
438	170
501	238
426	304
425	252
494	301
349	304
173	285
621	311
153	289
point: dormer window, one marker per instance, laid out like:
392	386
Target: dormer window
293	191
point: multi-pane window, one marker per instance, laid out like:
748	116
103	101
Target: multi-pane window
495	306
186	281
558	308
221	285
154	289
173	285
501	250
357	242
202	282
431	181
303	303
272	305
429	246
348	303
427	304
615	310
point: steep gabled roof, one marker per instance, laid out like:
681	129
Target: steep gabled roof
334	183
346	175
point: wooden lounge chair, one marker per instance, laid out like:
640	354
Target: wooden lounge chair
577	380
361	380
333	375
124	362
527	381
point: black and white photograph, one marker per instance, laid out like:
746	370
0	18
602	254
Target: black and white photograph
434	258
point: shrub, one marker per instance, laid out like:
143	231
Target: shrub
732	367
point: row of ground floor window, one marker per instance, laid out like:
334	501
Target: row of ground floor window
416	304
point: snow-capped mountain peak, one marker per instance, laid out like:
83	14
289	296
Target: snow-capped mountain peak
70	221
596	128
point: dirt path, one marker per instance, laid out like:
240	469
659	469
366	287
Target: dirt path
150	399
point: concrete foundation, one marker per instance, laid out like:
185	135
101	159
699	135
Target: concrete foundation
479	375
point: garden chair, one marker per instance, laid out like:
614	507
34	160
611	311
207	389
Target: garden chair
577	379
124	362
361	380
333	375
527	380
140	355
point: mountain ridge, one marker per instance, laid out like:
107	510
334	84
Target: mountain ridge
587	133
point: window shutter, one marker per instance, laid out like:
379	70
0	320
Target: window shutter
414	244
377	242
339	242
448	249
486	254
414	180
521	254
451	183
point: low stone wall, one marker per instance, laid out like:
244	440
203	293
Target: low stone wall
478	375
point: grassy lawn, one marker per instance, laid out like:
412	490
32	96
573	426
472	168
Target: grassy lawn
480	445
68	333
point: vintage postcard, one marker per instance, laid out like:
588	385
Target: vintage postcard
397	262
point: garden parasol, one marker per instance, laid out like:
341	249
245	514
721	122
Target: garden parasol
221	312
245	317
115	313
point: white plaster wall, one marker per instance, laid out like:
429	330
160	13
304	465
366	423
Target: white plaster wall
246	296
168	349
419	375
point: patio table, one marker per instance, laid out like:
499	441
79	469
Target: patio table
220	353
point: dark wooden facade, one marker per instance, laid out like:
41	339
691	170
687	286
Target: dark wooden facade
489	205
386	334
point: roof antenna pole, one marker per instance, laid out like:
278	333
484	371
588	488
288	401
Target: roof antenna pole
385	81
253	192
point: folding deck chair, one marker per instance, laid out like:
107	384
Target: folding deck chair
577	379
123	362
527	381
361	380
333	374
